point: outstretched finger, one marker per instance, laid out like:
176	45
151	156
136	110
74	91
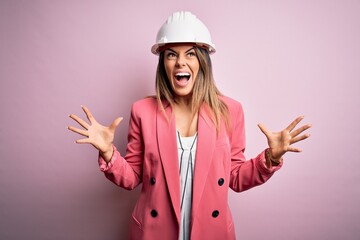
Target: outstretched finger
292	149
79	121
294	123
88	114
116	123
300	130
299	138
83	141
264	129
79	131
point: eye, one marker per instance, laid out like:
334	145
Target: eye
191	54
171	55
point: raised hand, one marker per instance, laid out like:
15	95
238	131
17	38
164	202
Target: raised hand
281	142
101	137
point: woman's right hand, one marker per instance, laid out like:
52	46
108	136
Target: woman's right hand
101	137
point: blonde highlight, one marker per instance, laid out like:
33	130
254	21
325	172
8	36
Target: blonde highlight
204	89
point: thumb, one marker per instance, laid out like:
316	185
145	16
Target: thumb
263	129
116	123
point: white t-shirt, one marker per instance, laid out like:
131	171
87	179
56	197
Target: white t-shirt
186	153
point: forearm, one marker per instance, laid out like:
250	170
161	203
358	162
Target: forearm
108	154
119	171
246	174
270	161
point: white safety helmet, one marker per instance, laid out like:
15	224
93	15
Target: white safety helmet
183	27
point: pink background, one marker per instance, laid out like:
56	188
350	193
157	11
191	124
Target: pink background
280	59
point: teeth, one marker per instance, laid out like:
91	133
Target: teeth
183	75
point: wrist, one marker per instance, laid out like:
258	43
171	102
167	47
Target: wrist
270	160
107	155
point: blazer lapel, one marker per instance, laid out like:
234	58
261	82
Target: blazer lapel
166	137
204	152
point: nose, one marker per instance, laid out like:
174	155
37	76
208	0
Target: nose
180	61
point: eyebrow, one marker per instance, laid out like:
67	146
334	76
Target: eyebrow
176	52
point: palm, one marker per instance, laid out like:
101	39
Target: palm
101	137
281	142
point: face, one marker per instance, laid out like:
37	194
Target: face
182	66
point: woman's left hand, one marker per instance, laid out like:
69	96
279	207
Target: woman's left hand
281	142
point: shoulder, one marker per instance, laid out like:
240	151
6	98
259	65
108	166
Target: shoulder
144	106
235	110
146	102
236	114
232	104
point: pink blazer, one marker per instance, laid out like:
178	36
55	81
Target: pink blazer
151	159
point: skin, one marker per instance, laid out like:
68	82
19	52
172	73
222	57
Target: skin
182	58
179	57
101	137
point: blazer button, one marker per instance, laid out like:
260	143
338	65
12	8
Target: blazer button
152	181
221	181
215	213
154	213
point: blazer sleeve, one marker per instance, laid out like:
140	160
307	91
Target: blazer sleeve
245	174
126	171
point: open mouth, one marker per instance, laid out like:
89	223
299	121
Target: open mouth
182	76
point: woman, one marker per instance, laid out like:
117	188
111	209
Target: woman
186	145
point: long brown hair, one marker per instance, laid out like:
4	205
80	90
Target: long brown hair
204	89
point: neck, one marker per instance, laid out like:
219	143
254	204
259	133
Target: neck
183	102
186	120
